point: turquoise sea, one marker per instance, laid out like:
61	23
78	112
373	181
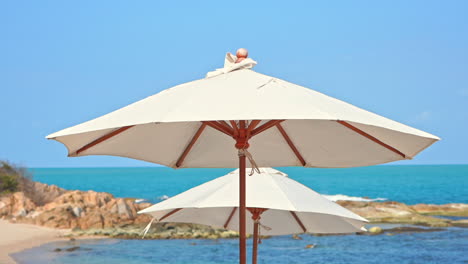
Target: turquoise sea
438	184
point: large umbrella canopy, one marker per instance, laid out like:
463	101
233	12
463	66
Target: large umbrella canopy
291	207
196	124
309	128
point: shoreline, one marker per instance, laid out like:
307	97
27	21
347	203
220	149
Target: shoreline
53	214
17	237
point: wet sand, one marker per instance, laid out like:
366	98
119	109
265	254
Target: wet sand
18	237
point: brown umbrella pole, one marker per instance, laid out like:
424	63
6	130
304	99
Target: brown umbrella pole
242	242
241	132
255	243
241	145
256	212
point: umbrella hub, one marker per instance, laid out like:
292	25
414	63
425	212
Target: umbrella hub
242	139
256	213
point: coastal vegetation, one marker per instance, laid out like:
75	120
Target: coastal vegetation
13	178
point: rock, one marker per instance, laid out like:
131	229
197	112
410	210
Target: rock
33	214
44	193
229	234
58	217
141	206
92	220
72	249
20	204
296	237
460	223
5	206
20	212
375	230
57	250
213	236
454	209
310	246
392	212
411	229
123	208
71	209
77	211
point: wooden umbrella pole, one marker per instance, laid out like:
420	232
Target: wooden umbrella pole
256	213
255	243
242	209
242	144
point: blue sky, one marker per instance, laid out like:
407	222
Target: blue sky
65	62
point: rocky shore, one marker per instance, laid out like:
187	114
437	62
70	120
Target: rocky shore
101	214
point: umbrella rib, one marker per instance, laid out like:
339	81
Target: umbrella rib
376	140
224	123
101	139
299	222
253	124
234	127
265	126
230	217
170	213
190	145
291	144
219	127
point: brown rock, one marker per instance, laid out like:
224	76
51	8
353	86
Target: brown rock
460	223
92	220
391	212
141	206
123	209
454	209
20	204
5	206
44	193
375	230
296	237
411	229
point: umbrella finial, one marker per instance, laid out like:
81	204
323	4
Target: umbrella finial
241	54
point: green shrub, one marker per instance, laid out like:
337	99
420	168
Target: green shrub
8	183
12	178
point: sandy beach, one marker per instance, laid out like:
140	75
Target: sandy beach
18	237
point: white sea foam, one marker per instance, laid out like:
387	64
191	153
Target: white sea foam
342	197
162	198
140	200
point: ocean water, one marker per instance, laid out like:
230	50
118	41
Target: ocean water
408	184
449	246
437	184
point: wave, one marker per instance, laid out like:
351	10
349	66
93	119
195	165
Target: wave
162	198
342	197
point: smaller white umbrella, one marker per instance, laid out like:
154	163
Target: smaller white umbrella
277	203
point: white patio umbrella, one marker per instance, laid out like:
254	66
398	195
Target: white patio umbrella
217	121
280	204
